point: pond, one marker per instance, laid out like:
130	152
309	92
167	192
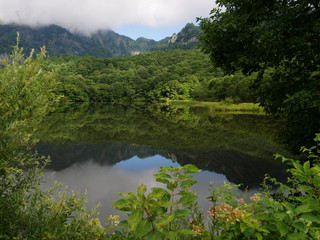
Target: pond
107	149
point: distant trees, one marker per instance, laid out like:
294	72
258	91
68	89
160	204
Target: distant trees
279	40
175	74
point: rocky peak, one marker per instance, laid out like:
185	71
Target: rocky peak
173	39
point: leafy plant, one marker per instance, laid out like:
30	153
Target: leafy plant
292	211
163	213
26	211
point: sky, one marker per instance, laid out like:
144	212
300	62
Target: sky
153	19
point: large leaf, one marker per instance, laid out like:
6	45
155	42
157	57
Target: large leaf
187	199
154	236
303	209
163	221
187	232
162	175
123	204
188	183
295	236
310	217
181	213
141	190
158	193
143	228
134	219
283	228
129	195
190	168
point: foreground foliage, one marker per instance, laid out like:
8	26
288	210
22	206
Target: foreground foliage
290	212
26	211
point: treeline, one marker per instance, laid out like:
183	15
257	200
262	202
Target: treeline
156	76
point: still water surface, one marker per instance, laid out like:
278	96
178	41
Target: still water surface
109	149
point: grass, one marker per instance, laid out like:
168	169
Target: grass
219	106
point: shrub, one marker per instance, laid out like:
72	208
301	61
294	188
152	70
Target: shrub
291	212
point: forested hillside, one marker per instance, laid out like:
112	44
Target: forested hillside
102	44
155	76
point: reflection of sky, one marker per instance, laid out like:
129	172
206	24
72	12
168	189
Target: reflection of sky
137	164
103	183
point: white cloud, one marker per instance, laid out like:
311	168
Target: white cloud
90	15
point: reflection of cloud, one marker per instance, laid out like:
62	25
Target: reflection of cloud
103	183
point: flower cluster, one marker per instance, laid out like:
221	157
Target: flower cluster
195	227
255	197
226	212
114	220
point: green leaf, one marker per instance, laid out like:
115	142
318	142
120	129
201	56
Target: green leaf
295	236
290	209
187	199
314	204
306	166
259	236
165	181
123	204
124	225
181	213
190	168
283	228
188	183
303	209
164	221
143	228
162	175
157	193
141	190
166	169
168	204
187	232
299	225
310	217
134	219
243	227
298	166
154	236
129	195
171	234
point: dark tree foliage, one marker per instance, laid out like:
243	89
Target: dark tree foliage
279	39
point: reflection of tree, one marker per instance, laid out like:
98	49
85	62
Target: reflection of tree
238	168
63	156
243	142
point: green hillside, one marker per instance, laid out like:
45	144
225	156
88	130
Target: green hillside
102	44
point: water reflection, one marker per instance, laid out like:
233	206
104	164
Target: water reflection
111	149
237	167
103	183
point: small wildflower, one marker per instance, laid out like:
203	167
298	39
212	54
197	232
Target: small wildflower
95	222
241	201
114	219
255	198
195	227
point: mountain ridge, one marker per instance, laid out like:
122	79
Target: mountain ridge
101	44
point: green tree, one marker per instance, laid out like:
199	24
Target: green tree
26	211
254	36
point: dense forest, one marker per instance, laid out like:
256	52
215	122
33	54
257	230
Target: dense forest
155	76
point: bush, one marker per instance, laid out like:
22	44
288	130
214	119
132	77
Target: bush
291	212
26	211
